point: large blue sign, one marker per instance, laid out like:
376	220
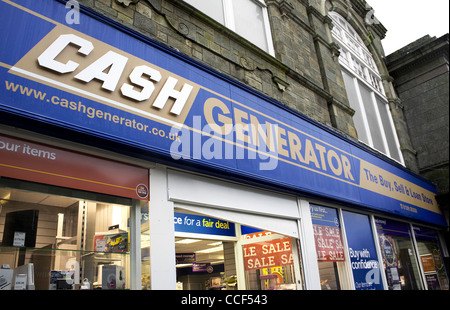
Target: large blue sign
362	252
92	78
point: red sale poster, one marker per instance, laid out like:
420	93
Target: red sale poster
266	254
328	244
327	234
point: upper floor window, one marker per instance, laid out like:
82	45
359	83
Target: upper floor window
248	18
365	92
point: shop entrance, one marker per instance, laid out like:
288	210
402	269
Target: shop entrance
204	264
205	252
215	254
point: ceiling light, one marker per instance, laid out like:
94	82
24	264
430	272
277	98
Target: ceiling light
215	243
210	250
187	241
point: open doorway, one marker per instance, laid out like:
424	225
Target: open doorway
215	254
205	264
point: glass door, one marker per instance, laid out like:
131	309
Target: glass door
270	260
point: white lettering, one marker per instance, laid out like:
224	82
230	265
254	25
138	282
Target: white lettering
47	58
169	91
147	86
115	62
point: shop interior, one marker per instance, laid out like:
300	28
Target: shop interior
206	262
207	270
55	238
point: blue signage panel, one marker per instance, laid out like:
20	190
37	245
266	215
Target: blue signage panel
92	78
362	252
197	224
390	227
324	216
425	233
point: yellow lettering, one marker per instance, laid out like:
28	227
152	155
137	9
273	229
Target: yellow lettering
295	146
310	154
347	168
322	151
227	124
258	131
240	126
281	141
337	170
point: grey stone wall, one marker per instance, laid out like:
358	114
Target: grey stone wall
421	72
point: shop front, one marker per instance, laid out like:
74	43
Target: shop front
68	220
237	231
126	165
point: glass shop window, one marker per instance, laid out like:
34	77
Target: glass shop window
61	239
205	252
269	260
329	247
431	258
399	258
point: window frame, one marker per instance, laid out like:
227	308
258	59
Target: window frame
357	61
229	22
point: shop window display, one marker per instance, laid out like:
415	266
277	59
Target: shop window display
55	238
145	248
329	247
216	254
399	259
205	256
433	266
268	260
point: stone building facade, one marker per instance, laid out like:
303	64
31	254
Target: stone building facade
421	74
303	73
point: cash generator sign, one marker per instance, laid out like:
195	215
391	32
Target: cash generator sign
84	66
159	103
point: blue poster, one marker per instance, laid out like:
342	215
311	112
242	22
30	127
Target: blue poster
390	227
324	216
197	224
362	252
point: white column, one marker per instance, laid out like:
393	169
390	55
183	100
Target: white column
162	233
308	247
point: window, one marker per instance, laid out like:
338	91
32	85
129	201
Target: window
399	258
212	8
329	248
60	238
248	18
436	275
268	260
372	119
362	251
